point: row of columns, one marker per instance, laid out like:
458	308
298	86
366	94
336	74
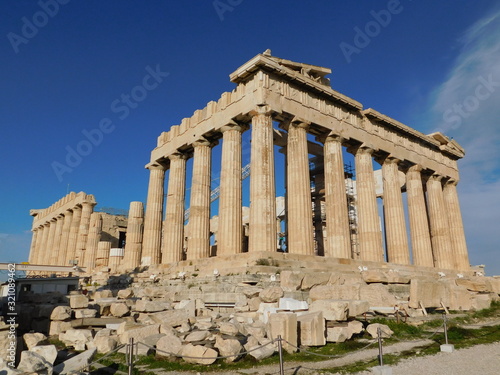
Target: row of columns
437	236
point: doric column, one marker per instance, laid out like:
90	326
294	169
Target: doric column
83	232
300	228
54	258
457	234
38	242
198	245
42	253
394	214
417	214
34	237
73	235
262	226
173	227
103	249
369	233
48	258
229	234
133	245
93	238
63	245
151	247
438	219
338	237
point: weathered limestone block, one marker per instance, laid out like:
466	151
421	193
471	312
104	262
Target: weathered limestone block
228	329
85	313
254	303
339	333
61	313
151	306
335	292
357	307
229	347
138	333
271	294
284	324
57	327
332	309
102	294
34	339
125	293
475	284
5	369
429	292
169	343
458	298
196	336
355	326
292	304
313	279
75	363
396	278
291	280
33	362
251	291
119	309
78	301
377	295
77	338
105	344
312	329
265	348
495	284
256	329
481	301
48	352
172	318
385	331
208	355
187	305
374	276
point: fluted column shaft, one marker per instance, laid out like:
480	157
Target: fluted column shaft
417	214
73	235
457	234
230	231
63	245
93	239
262	226
83	232
300	228
173	227
54	259
151	247
198	245
133	245
338	237
103	250
369	233
394	214
33	245
42	254
38	245
50	243
438	219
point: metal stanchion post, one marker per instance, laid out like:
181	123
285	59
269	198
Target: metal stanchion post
380	355
280	351
131	356
445	330
448	348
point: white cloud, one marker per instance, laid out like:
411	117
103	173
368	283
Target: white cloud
466	107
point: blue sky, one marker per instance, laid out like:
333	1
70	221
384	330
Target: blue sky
67	68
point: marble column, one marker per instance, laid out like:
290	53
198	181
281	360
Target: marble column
94	236
42	254
198	244
262	224
83	232
457	234
38	244
103	250
151	247
133	245
63	245
300	228
230	230
54	258
49	252
394	214
34	238
173	227
438	220
419	222
73	235
338	236
369	232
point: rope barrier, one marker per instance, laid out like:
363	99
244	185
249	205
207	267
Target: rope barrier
328	355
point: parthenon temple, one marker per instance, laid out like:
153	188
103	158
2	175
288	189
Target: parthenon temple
328	211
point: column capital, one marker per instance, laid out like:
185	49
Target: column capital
415	168
390	159
231	126
176	156
202	141
331	137
435	177
451	181
300	122
60	216
155	166
261	110
361	149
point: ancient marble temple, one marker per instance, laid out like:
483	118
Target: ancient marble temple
290	104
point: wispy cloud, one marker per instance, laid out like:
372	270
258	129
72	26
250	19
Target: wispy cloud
466	107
